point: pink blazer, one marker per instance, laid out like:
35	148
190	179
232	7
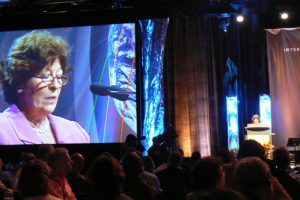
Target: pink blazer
15	129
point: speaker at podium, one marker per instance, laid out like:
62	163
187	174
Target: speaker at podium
260	132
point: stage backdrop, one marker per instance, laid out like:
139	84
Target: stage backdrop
283	48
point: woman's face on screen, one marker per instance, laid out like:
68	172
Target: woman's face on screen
40	93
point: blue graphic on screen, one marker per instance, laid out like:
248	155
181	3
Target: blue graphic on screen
122	71
119	74
265	110
232	123
153	33
103	55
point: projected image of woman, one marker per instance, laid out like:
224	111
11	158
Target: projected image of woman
32	79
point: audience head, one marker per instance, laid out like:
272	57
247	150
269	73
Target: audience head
196	155
33	179
132	165
43	151
26	156
251	148
60	162
176	158
131	140
253	178
78	162
282	157
225	155
106	176
156	141
208	173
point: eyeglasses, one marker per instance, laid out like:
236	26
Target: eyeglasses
62	80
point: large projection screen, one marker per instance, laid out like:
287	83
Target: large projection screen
103	55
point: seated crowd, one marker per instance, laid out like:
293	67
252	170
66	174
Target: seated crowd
55	173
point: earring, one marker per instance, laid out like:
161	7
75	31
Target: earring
20	91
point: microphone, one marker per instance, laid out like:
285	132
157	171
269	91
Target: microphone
99	89
113	91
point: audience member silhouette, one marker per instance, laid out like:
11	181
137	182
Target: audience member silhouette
254	180
196	155
43	151
25	157
3	187
7	173
129	144
282	159
189	164
77	180
150	177
106	178
156	151
33	182
174	189
149	165
139	145
229	162
135	185
61	164
253	148
226	156
207	175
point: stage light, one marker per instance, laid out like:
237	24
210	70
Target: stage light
240	18
284	15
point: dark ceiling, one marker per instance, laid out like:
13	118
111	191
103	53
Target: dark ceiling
20	11
211	5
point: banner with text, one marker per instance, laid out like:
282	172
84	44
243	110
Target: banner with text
283	49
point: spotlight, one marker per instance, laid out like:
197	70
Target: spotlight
284	15
224	24
240	18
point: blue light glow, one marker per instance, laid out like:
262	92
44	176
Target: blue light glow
153	33
265	110
232	123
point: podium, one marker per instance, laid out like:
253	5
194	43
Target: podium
259	132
